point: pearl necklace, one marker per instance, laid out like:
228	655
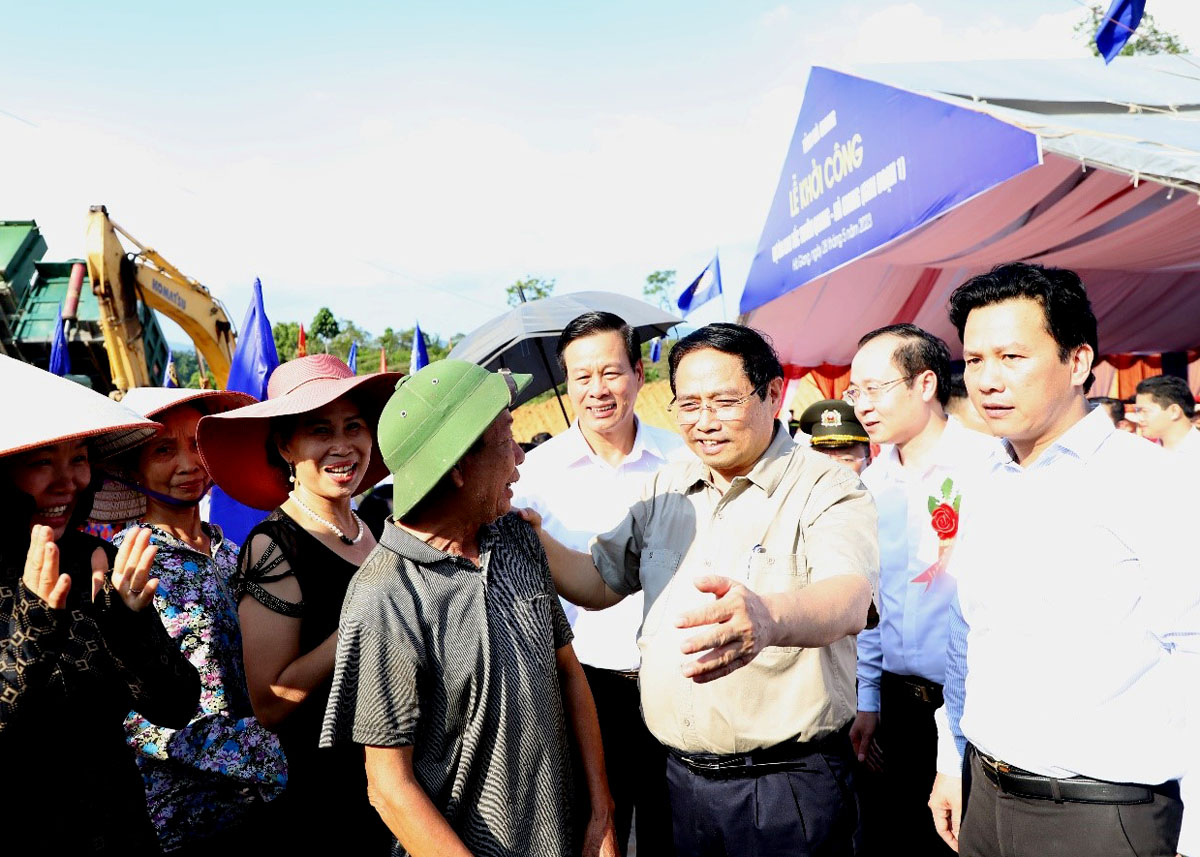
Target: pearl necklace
332	526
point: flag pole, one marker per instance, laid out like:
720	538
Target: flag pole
724	307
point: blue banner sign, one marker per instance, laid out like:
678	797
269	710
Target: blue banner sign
867	164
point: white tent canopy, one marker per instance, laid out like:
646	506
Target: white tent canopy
1116	198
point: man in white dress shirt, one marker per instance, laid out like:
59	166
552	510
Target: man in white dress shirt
1072	648
899	386
582	483
1165	407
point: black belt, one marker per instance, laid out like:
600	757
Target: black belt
789	754
1016	781
929	692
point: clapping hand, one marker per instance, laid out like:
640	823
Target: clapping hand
131	570
41	575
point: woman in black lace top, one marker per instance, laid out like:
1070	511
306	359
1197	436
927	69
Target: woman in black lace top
78	648
305	451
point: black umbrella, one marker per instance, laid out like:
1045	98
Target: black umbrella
524	338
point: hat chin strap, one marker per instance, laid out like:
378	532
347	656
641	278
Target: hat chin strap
162	498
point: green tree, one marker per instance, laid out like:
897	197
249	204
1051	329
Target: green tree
185	365
1146	39
660	289
656	371
324	325
533	288
287	339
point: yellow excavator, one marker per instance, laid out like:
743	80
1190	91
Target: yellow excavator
120	279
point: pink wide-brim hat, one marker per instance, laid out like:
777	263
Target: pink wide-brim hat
117	502
233	445
54	410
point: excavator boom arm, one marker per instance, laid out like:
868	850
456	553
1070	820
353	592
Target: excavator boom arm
120	281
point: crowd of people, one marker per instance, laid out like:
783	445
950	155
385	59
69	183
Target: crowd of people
954	613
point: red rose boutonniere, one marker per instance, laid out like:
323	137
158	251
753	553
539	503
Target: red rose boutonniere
943	517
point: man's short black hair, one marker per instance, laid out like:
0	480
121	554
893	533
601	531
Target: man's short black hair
1115	407
918	351
1167	390
1059	291
958	387
759	360
598	321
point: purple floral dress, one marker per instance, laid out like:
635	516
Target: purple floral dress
220	768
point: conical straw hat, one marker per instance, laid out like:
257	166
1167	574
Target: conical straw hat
50	409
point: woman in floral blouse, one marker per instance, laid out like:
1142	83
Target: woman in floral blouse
206	784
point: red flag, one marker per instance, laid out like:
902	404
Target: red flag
302	347
382	359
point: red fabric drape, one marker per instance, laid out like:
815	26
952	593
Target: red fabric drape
831	380
1133	368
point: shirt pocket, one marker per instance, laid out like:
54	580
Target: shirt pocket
775	573
658	567
532	625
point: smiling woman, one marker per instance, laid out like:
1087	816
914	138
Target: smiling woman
305	452
78	648
206	784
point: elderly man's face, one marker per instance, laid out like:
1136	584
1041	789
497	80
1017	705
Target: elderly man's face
489	473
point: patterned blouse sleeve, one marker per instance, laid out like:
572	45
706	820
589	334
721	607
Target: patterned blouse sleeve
28	649
240	749
253	572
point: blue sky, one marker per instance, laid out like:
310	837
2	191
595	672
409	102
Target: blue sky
397	161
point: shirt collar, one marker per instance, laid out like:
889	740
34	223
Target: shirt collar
401	541
1080	440
1191	440
576	450
947	452
767	472
216	538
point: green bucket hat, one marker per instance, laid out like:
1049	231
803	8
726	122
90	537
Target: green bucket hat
433	418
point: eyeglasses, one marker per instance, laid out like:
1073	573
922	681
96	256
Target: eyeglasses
688	413
870	392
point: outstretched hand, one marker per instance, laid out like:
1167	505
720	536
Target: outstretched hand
41	575
131	570
743	629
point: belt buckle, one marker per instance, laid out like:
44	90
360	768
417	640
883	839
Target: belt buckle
994	765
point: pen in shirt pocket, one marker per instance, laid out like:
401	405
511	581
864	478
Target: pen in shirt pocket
757	549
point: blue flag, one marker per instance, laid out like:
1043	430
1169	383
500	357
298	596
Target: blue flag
702	289
60	358
1118	25
352	357
170	376
253	362
420	357
656	349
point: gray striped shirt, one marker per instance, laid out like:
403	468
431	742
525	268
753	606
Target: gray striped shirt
458	661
